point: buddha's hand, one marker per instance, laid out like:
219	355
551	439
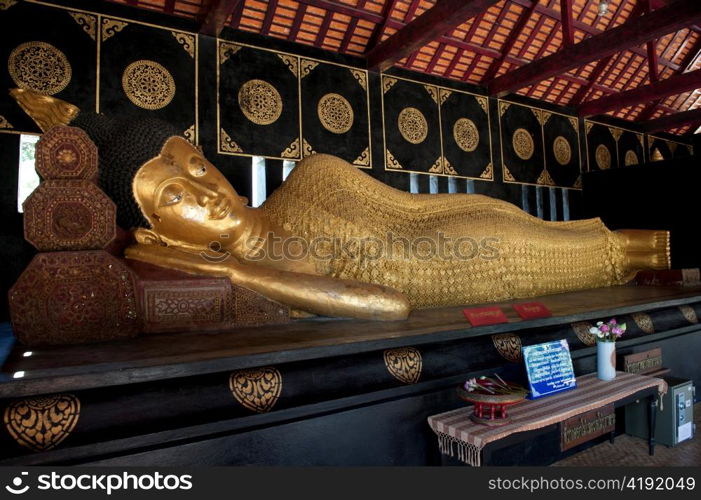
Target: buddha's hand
203	263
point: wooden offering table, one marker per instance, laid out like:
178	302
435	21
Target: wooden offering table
473	443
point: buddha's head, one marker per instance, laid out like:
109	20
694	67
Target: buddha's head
163	186
186	201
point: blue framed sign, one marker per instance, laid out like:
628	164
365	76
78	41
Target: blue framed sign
549	368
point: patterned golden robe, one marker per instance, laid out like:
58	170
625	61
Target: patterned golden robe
518	255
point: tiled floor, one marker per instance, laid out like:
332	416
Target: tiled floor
629	450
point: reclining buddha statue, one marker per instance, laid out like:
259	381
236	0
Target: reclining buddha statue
333	241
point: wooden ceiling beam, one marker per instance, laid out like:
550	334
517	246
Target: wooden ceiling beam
379	28
214	19
509	43
651	46
344	9
601	65
443	17
671	86
566	21
684	67
587	28
675	120
635	32
269	15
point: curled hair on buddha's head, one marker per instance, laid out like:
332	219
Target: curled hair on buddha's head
123	147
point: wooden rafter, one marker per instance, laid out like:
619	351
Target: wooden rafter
214	19
566	15
675	120
586	28
509	43
635	32
665	88
379	28
685	66
268	19
651	46
444	16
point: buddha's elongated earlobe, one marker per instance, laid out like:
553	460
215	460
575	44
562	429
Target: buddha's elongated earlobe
148	237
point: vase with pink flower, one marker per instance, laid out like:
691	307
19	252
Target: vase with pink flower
606	336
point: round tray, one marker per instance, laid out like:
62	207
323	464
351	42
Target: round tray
495	399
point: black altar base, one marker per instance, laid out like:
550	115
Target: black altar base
315	392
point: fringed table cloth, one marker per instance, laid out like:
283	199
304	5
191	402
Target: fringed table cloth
459	435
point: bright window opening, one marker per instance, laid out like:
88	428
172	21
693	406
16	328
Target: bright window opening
28	179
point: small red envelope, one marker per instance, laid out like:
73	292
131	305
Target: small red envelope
480	316
532	310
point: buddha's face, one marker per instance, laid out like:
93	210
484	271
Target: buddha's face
187	200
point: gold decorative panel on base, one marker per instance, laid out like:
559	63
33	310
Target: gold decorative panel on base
42	423
258	389
404	364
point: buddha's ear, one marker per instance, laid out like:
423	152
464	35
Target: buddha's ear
148	237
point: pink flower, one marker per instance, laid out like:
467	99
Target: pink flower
604	328
613	321
471	385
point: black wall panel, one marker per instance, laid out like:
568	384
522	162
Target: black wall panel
466	134
522	150
411	126
335	111
48	50
562	158
659	149
258	99
147	71
631	149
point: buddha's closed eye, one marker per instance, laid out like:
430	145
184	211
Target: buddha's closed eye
197	167
171	195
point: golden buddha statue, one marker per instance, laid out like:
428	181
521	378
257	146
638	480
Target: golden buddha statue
333	241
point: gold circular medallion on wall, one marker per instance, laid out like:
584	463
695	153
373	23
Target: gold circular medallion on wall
148	84
562	150
523	144
631	158
466	135
40	67
260	102
335	113
603	157
412	125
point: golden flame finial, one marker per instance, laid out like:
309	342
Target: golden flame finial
46	111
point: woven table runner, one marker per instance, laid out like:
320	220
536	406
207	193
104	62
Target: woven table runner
456	432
